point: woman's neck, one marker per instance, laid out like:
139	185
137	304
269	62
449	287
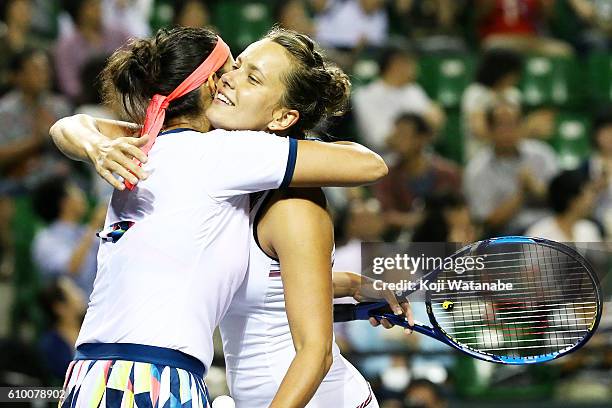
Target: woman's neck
200	124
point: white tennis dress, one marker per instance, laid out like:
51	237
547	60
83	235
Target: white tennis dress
258	346
168	281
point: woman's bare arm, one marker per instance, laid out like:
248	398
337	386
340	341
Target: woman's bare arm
74	135
342	164
299	231
107	144
361	288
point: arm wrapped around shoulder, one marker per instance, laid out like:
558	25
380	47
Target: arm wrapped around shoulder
342	164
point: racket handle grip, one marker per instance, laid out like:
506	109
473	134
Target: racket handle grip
360	311
344	312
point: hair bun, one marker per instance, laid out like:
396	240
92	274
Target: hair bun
136	67
147	57
141	66
315	87
337	92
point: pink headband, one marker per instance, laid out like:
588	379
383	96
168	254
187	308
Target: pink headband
156	111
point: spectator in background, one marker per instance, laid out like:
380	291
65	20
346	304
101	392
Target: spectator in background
497	79
505	183
571	196
7	262
418	173
389	402
379	103
446	219
599	167
90	100
319	6
26	114
63	304
88	39
91	104
191	13
423	393
66	247
293	15
431	23
45	18
132	16
351	24
361	221
15	35
597	15
517	25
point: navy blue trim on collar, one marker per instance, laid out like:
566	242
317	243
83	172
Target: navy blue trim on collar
293	145
177	130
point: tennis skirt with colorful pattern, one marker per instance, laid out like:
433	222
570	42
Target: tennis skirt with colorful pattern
120	381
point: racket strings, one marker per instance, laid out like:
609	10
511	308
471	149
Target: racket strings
551	306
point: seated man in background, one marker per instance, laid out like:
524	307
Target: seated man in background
418	173
66	247
505	184
571	196
378	104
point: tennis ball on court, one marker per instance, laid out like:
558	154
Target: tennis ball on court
223	401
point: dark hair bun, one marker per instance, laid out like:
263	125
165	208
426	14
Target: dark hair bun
145	67
138	68
337	93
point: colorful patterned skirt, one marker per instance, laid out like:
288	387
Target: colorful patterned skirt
130	375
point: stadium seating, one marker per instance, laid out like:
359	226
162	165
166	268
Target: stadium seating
242	23
600	77
571	138
365	70
552	82
27	278
450	142
446	77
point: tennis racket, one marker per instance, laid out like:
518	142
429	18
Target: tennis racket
553	309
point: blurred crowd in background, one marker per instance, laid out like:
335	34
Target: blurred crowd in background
494	117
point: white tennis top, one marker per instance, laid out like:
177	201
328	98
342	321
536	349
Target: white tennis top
169	279
258	346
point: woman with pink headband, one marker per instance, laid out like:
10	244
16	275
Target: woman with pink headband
164	275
